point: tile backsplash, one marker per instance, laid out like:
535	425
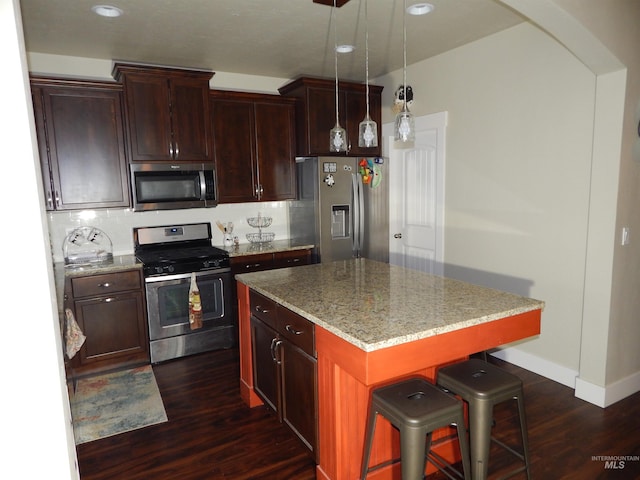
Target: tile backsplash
118	224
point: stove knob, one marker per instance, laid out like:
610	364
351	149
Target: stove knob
158	269
170	268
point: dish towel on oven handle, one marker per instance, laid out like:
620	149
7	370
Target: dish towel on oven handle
195	306
74	338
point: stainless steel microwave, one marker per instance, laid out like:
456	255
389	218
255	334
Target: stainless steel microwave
159	186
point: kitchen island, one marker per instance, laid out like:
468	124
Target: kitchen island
374	324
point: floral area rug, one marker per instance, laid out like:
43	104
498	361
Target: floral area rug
114	403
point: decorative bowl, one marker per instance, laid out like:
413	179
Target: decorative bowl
259	221
263	237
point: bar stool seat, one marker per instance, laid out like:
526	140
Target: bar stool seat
483	385
416	407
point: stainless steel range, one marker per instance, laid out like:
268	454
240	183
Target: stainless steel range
169	255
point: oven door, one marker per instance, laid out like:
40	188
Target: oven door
168	303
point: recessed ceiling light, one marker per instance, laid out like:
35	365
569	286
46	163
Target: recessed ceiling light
107	10
419	9
345	48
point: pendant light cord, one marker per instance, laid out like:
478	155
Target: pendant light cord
404	54
335	53
366	47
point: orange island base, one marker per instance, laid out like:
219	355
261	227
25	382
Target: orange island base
374	324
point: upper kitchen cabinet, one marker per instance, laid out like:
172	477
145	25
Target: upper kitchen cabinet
316	115
81	141
253	144
167	113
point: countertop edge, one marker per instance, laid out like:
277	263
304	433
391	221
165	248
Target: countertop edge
370	347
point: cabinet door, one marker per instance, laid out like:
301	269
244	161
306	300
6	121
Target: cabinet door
299	399
148	118
275	144
115	328
266	380
321	118
84	147
190	119
45	167
234	147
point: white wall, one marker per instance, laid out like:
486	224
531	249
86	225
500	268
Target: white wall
520	112
37	440
80	67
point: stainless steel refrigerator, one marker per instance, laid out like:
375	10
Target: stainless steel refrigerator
340	209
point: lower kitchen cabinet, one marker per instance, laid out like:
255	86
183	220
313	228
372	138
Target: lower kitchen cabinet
285	366
110	311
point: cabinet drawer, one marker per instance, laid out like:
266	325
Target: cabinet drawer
263	308
291	258
106	284
252	263
297	330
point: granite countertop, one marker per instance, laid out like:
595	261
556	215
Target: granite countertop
256	248
375	305
119	262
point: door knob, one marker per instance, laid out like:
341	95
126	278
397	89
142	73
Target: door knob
397	235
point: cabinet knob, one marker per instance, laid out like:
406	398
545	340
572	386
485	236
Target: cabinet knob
106	285
397	235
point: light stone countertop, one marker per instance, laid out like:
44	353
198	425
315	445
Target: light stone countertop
375	305
245	249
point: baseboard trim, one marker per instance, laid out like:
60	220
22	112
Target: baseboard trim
590	392
612	393
553	371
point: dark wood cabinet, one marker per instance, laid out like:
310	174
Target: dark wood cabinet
285	366
167	113
81	142
254	146
316	115
270	260
110	310
258	262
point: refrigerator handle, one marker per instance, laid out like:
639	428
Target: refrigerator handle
355	234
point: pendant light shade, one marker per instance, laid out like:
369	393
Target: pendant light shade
337	135
368	130
404	130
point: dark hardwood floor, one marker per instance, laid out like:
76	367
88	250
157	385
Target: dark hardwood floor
211	434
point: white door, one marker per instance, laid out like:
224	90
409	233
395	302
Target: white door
416	196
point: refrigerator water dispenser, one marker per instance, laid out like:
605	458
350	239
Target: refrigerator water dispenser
340	221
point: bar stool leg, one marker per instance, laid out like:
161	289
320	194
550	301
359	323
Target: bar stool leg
480	420
412	452
464	447
523	428
371	427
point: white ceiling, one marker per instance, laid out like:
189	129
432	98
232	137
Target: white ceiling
277	38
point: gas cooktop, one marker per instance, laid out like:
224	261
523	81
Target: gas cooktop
174	249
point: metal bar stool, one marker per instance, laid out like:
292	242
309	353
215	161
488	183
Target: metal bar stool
483	385
416	408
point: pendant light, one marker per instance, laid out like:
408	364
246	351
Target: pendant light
368	130
404	126
337	135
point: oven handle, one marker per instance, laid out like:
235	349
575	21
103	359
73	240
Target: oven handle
180	276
